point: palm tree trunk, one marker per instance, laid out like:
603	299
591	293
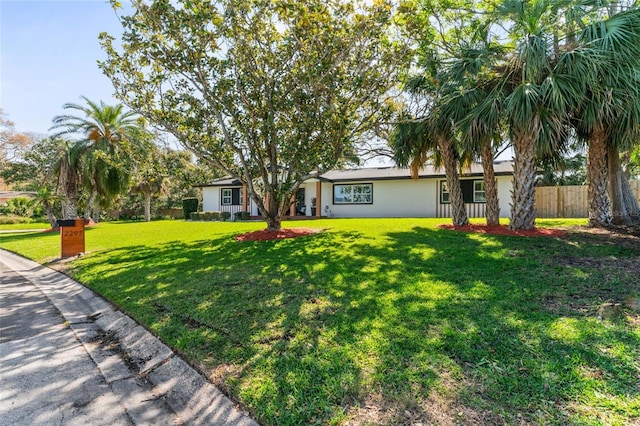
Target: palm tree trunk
630	200
96	214
147	206
523	206
458	210
69	208
90	202
68	182
619	212
599	214
48	209
490	187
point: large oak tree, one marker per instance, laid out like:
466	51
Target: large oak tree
271	92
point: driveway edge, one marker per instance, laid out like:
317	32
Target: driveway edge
141	357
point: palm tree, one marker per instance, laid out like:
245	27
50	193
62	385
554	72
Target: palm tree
540	80
479	115
47	198
431	137
607	118
109	140
537	79
624	134
149	179
66	167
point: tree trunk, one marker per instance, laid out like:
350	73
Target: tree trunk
599	214
48	209
96	214
490	187
147	206
90	202
458	210
523	207
274	210
273	223
619	213
624	206
630	200
69	208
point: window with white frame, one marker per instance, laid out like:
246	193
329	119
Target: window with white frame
353	194
445	197
231	196
472	191
478	192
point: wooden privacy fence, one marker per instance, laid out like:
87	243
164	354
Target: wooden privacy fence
568	201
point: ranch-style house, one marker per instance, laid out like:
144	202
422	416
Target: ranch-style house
372	192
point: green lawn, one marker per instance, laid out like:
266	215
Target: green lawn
21	226
380	321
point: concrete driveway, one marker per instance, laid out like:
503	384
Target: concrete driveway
67	357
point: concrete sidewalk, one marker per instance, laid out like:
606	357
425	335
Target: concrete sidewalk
68	357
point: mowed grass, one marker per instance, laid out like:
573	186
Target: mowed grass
382	321
24	226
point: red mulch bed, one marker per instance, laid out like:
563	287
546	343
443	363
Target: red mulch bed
266	234
504	230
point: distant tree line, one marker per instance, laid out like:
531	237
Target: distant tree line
100	157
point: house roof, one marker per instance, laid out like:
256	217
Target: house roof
501	168
395	173
227	181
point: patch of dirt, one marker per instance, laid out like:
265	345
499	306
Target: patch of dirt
437	409
504	230
63	265
622	236
267	235
630	264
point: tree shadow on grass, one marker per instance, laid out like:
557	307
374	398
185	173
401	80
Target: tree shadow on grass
307	330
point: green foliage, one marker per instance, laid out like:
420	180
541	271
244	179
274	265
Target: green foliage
29	223
545	71
242	215
563	170
397	311
224	216
209	216
226	78
633	163
19	206
109	142
189	205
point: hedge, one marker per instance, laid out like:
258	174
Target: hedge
189	205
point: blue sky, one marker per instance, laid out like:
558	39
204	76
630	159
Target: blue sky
48	54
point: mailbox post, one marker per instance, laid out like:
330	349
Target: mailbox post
71	237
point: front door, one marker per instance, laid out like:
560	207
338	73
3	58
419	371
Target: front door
300	205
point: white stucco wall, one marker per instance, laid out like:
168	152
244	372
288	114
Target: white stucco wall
391	198
210	199
505	184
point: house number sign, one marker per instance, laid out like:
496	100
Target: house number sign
71	237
